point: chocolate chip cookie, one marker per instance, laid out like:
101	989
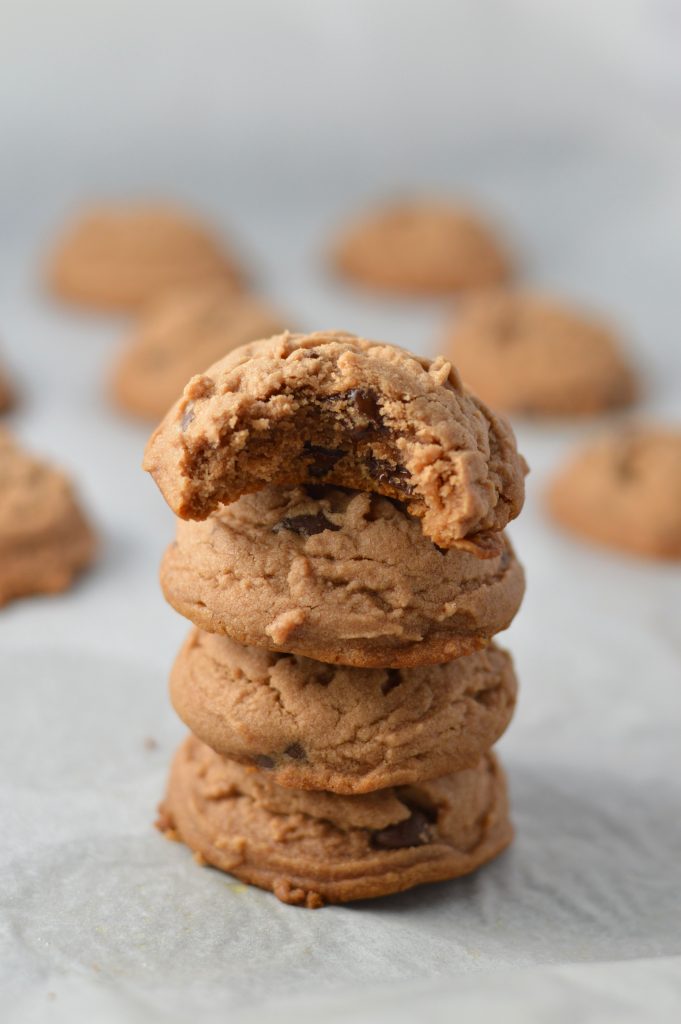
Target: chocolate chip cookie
184	332
421	248
312	848
334	408
532	355
624	490
340	576
346	730
45	540
119	257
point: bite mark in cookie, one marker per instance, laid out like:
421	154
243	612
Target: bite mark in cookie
334	408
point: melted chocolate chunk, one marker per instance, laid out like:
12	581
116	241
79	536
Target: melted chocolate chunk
305	526
393	679
296	752
263	761
415	831
392	476
365	403
324	459
187	416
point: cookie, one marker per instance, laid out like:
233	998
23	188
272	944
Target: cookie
624	491
421	248
339	576
531	355
312	848
182	333
120	257
345	730
45	540
335	408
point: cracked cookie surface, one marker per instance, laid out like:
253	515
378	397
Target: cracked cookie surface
45	540
624	491
421	248
311	848
182	333
331	407
346	730
532	355
340	576
120	257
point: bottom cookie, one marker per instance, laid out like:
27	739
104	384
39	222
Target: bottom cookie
312	848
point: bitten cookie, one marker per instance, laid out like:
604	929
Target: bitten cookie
624	491
530	355
312	848
182	333
421	248
342	577
336	408
346	730
45	540
120	257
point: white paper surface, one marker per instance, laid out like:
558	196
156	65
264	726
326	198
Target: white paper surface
101	919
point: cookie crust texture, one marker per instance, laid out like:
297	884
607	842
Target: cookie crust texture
312	848
333	408
345	578
344	730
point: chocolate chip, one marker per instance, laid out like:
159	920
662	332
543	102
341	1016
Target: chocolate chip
391	476
393	678
296	752
187	416
305	526
415	831
263	761
324	459
325	675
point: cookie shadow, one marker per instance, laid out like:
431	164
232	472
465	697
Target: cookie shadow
594	873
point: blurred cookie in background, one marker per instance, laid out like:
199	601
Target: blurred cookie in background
532	355
119	257
45	538
623	490
421	248
181	334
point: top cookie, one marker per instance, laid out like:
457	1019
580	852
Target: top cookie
183	332
334	408
529	354
45	539
119	257
421	248
624	490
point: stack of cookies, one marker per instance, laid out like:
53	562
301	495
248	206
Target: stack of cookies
340	552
